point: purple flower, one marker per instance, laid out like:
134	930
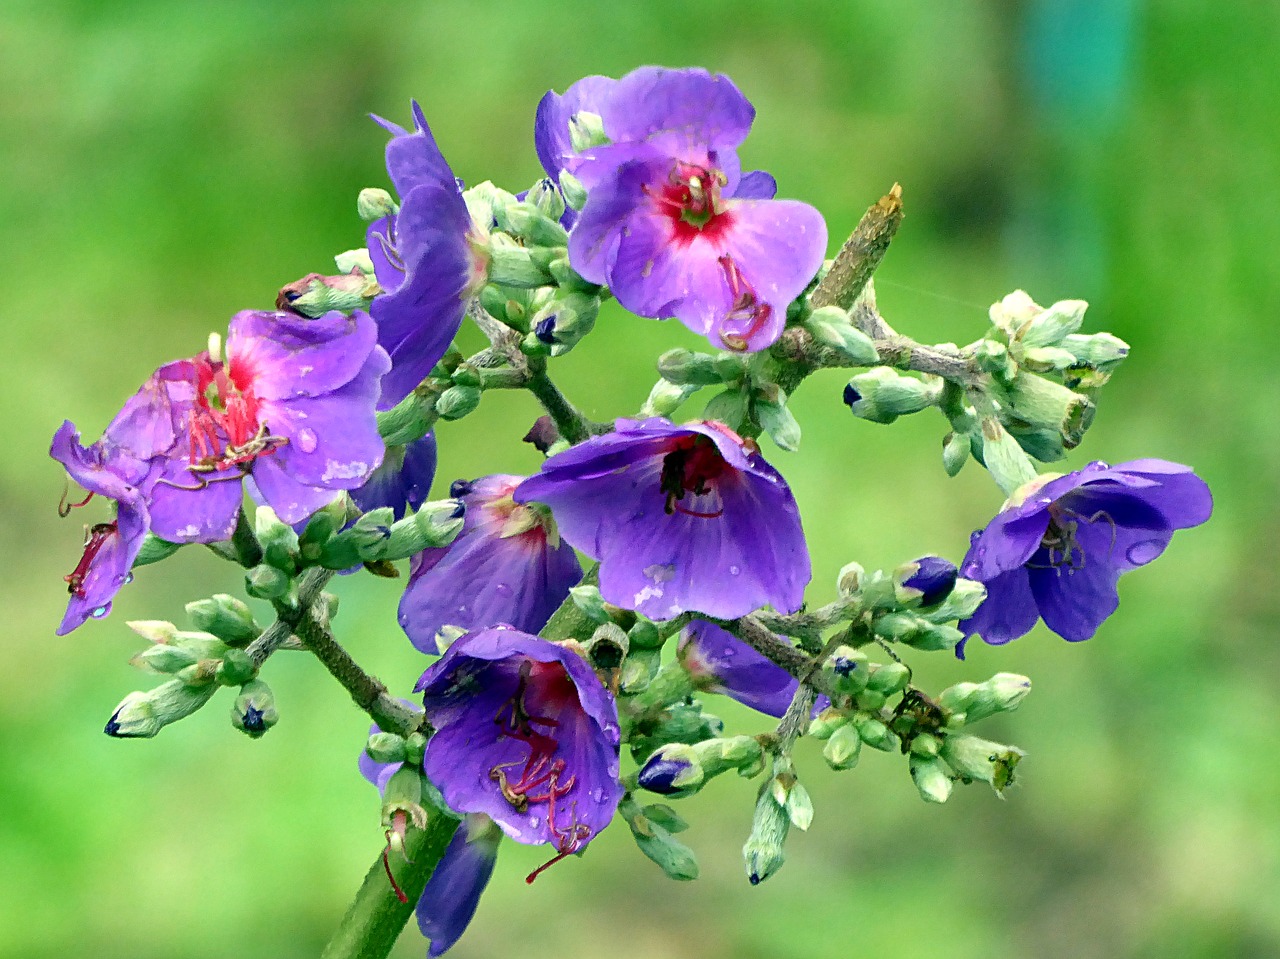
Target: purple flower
720	662
292	407
452	894
1057	550
670	224
106	470
525	733
403	480
934	577
506	566
682	518
425	258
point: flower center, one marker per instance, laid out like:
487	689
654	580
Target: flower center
223	424
542	776
690	197
95	538
747	316
691	467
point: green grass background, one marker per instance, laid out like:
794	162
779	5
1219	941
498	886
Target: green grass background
163	165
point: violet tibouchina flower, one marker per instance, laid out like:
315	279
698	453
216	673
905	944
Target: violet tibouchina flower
507	565
403	480
425	259
525	733
720	662
682	518
670	224
1058	548
292	408
106	470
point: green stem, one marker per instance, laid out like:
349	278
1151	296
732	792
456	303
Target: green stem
571	424
376	917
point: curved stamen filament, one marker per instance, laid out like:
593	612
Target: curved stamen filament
65	508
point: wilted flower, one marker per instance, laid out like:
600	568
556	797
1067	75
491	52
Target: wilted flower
1058	548
682	518
506	566
720	662
403	480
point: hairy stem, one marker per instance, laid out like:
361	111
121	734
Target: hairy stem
376	916
861	253
288	617
570	423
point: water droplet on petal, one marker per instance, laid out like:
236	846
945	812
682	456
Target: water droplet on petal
734	571
128	578
101	611
1139	554
503	590
404	619
306	440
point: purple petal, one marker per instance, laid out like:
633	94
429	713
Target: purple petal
1008	541
292	500
555	111
682	110
1074	598
288	356
1009	611
452	894
108	568
183	511
403	480
101	468
756	185
413	159
722	663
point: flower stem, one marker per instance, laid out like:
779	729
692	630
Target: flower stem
288	617
570	423
861	253
377	916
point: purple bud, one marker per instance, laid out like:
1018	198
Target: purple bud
546	330
460	488
851	395
935	579
659	774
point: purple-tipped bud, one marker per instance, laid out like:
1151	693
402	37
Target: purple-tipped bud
542	434
546	330
851	395
460	488
660	773
935	579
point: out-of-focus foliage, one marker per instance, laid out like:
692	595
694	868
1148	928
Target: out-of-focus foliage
163	165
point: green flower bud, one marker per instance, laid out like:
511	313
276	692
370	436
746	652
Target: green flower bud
666	397
1043	403
882	394
164	659
843	748
684	367
955	452
1004	459
254	711
916	632
1042	359
645	635
670	855
639	670
875	733
889	678
849	580
931	779
962	602
769	407
575	194
226	617
981	760
514	265
153	550
434	524
763	853
993	357
457	401
799	806
141	715
266	582
607	646
824	725
565	319
354	260
1003	692
1013	313
1053	324
533	226
415	744
831	327
925	745
1101	351
386	748
373	204
279	541
847	670
586	130
236	668
588	599
546	199
316	294
663	815
729	407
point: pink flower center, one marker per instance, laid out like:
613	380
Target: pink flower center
692	466
690	198
223	424
95	538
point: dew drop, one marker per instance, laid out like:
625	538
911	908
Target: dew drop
128	578
734	571
101	611
306	440
503	590
404	619
1139	554
534	821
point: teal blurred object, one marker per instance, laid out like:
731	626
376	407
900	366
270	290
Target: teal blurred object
166	165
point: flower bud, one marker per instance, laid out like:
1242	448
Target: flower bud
226	617
1054	323
882	394
163	658
1003	692
1004	459
875	733
533	226
434	524
1043	403
849	580
386	748
931	779
565	319
588	599
799	806
684	367
457	401
993	357
917	632
925	745
665	398
546	197
354	260
847	670
236	668
663	815
402	802
763	853
639	670
373	204
254	711
769	407
266	582
981	760
575	194
1101	351
278	540
669	854
889	678
645	635
1042	359
926	581
315	294
843	748
672	770
586	130
831	327
513	265
955	452
728	407
141	715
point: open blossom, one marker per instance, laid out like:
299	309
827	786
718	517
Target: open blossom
1057	550
670	224
526	734
425	258
507	565
682	518
110	548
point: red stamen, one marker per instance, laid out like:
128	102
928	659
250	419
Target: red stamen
65	508
746	308
386	864
95	538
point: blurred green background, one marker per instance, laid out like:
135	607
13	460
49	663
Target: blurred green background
163	165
